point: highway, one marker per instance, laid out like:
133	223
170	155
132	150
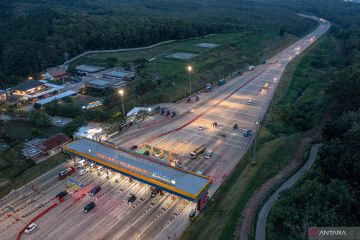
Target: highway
164	215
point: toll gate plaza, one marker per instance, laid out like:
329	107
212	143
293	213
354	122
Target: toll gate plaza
185	184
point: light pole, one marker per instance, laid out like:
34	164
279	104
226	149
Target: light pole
121	92
189	68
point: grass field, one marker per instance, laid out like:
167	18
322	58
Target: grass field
168	78
275	148
13	177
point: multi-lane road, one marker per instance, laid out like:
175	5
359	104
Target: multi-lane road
164	215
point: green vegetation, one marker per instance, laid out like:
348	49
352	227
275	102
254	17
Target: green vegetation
39	34
328	195
14	176
276	144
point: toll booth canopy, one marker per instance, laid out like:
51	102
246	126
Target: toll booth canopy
146	169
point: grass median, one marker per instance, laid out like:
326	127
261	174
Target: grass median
301	89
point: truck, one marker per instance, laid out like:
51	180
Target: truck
221	82
194	154
66	172
265	87
193	214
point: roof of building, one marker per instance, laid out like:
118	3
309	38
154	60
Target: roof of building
145	168
89	68
53	142
27	85
57	72
56	97
99	82
118	73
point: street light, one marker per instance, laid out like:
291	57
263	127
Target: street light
257	123
189	68
121	92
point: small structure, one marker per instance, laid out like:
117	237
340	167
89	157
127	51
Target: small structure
120	74
90	132
85	69
33	90
55	74
40	149
44	101
2	96
103	85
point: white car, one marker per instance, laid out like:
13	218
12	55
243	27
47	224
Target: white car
59	122
82	172
249	101
208	154
30	228
192	110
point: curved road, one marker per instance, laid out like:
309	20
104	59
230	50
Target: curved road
265	210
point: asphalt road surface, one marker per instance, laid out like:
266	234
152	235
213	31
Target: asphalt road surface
163	216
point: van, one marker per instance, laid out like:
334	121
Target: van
95	190
82	172
198	151
208	154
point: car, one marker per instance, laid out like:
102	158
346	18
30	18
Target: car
147	153
89	206
95	190
133	147
92	165
192	110
132	198
154	192
61	195
247	133
201	127
200	172
249	102
60	122
99	167
208	154
30	228
223	136
82	172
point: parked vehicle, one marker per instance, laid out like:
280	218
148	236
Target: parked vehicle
208	87
132	198
147	153
66	172
194	154
61	195
133	147
251	68
221	82
249	102
95	190
208	154
30	228
89	206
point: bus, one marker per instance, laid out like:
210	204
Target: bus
194	154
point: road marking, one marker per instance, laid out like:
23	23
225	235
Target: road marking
216	140
237	120
226	109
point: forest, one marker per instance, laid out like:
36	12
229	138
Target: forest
40	34
328	195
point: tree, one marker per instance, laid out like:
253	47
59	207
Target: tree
39	118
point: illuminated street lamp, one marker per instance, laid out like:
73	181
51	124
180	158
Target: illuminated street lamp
121	92
189	69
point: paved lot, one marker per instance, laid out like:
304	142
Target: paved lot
162	216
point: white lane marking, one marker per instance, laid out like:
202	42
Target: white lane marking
237	120
271	74
215	140
236	111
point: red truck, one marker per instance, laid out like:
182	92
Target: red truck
64	173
